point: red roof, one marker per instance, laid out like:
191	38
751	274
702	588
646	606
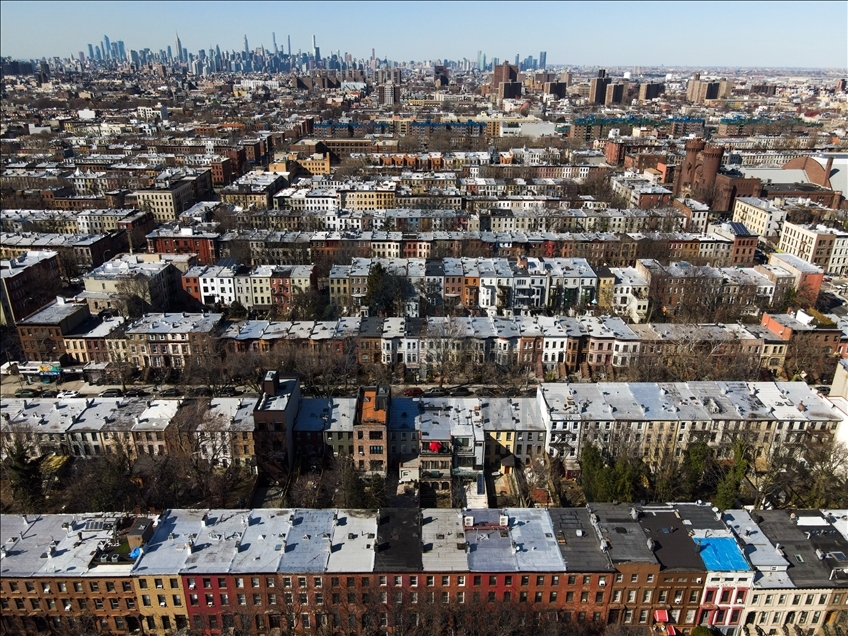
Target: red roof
661	615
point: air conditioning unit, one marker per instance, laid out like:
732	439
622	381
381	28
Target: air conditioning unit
468	521
503	520
602	583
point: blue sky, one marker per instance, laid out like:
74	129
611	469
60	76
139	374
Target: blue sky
795	34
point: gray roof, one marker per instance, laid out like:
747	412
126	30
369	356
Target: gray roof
624	538
443	541
307	546
166	552
578	543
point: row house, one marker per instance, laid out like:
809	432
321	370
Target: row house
88	342
665	567
164	341
295	246
660	420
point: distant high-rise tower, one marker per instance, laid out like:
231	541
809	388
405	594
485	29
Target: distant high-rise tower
289	39
543	60
274	40
246	47
179	47
90	52
106	46
479	60
517	63
598	87
316	54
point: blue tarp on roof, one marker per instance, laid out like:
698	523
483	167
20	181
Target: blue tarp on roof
721	554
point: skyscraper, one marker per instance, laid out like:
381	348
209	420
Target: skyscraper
274	40
122	51
479	60
289	39
90	52
106	47
517	63
246	48
316	54
179	46
543	60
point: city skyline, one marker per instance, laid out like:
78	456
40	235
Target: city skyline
421	31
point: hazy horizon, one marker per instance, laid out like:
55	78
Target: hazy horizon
810	35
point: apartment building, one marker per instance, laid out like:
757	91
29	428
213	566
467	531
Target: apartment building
762	217
819	245
145	280
25	282
174	191
42	334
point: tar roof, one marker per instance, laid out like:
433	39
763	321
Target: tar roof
806	568
399	537
623	536
578	543
672	545
699	516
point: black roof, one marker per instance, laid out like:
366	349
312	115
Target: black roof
398	541
673	546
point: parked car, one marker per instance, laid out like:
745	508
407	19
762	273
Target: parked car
111	393
135	393
435	392
64	395
200	391
461	391
413	392
50	393
228	391
27	393
172	392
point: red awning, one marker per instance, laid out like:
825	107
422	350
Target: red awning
435	447
661	616
670	630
